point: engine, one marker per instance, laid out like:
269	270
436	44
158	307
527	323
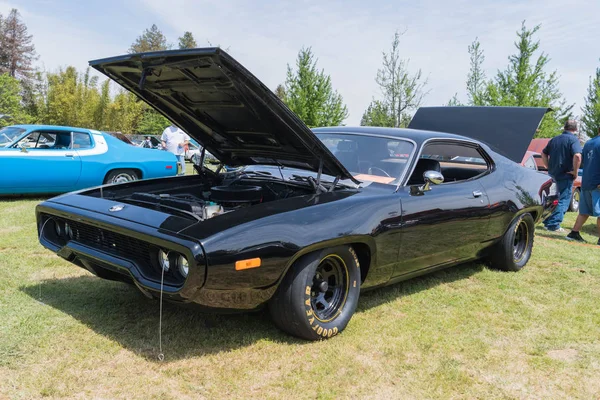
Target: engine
219	200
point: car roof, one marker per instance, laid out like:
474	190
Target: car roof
416	135
53	127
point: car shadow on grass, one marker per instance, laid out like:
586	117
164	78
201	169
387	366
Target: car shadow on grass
120	312
376	297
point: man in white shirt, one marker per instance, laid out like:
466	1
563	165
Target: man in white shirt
174	140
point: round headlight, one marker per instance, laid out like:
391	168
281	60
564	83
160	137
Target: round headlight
184	267
163	260
68	231
57	228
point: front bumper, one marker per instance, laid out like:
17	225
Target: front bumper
118	249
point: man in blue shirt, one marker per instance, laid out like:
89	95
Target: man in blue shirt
589	204
562	157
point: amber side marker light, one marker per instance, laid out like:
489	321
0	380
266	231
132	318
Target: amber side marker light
247	264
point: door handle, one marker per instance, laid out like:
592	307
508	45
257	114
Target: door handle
477	193
69	155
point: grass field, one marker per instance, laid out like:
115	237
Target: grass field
466	332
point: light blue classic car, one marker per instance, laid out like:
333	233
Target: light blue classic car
55	159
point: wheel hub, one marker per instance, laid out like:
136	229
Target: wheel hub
329	288
322	286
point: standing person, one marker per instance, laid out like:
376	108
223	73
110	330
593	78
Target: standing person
562	157
589	204
173	140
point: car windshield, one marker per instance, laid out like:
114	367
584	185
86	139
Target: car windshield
9	134
370	158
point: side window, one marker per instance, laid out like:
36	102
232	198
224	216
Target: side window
81	140
29	141
456	161
530	163
46	140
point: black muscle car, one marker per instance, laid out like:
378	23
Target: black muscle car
310	218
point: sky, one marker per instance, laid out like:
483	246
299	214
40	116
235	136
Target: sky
347	37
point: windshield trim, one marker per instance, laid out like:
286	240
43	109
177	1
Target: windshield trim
410	157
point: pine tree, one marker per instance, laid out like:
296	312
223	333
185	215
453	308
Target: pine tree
309	93
10	102
590	121
454	101
402	91
525	83
187	41
17	52
377	114
476	81
280	92
151	40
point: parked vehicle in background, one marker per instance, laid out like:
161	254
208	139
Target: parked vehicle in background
535	155
193	149
57	159
122	137
137	140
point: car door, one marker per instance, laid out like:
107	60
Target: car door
449	222
46	160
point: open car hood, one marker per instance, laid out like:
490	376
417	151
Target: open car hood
507	130
223	106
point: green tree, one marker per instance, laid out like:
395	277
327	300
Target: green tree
187	41
402	90
377	114
152	123
280	92
17	52
151	40
124	113
101	108
525	83
10	101
590	121
476	80
309	93
72	98
454	101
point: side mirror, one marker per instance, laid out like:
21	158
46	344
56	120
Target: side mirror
431	177
23	147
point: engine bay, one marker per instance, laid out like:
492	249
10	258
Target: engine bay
204	204
203	199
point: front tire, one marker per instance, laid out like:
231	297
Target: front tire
514	249
318	295
574	206
121	176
